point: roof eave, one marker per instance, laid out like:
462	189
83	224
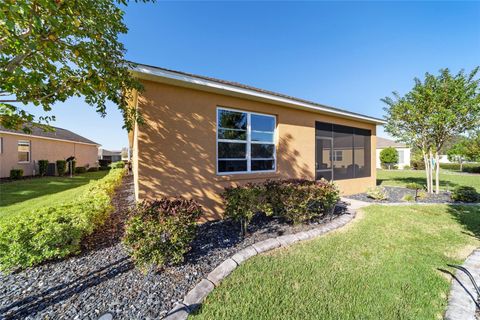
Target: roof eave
169	77
48	138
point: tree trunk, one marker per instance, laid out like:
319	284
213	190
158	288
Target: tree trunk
430	166
437	173
461	164
427	170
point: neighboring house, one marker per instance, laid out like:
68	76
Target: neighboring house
19	150
203	134
444	159
111	156
402	149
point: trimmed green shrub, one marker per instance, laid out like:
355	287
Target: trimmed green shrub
466	167
103	163
408	198
465	194
118	165
389	157
417	164
79	170
377	193
159	233
42	167
73	165
104	168
61	167
56	232
92	169
297	201
243	202
16	174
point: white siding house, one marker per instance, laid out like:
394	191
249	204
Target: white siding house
403	151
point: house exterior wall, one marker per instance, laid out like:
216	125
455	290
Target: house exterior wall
401	164
174	152
42	149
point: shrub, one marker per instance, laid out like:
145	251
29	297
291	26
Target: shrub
408	198
417	164
465	194
42	167
471	168
104	168
61	167
55	232
16	174
79	170
389	156
160	232
414	186
377	193
103	163
92	169
73	165
118	165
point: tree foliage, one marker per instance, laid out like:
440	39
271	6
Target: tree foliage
389	156
435	111
53	50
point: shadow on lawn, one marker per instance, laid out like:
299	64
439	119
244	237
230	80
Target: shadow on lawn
420	180
468	217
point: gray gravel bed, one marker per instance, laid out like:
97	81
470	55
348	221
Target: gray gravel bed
103	278
396	194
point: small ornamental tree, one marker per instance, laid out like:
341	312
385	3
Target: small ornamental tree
389	156
53	50
435	111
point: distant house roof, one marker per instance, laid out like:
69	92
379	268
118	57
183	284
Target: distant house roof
154	73
385	143
57	134
111	152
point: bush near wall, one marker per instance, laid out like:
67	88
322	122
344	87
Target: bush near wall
92	169
56	232
42	167
61	167
297	201
160	232
16	174
79	170
118	165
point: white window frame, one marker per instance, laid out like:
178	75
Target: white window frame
248	142
29	150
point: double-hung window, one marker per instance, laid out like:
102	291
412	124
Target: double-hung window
23	151
245	142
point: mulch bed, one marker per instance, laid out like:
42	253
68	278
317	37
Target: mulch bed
103	278
396	194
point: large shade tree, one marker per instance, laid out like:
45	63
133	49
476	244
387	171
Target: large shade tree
51	50
436	110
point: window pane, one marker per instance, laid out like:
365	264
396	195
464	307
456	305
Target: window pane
323	129
232	120
23	157
262	150
362	153
262	123
324	154
232	165
263	165
343	141
401	156
232	134
262	136
232	150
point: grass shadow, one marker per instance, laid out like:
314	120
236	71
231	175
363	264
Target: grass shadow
419	180
468	216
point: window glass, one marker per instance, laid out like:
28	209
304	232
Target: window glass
245	141
343	142
23	149
362	154
401	156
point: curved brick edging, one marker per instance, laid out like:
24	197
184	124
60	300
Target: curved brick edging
195	297
461	301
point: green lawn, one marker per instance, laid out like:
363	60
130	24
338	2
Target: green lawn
383	266
448	179
25	195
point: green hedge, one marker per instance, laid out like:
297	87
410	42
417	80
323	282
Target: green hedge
55	232
61	167
79	170
42	167
467	167
16	174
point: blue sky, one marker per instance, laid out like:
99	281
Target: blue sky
344	54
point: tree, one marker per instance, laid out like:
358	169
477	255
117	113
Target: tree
389	156
51	50
435	111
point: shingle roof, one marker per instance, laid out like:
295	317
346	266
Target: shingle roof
248	87
111	152
385	143
58	133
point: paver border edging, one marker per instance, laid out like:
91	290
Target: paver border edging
194	298
461	301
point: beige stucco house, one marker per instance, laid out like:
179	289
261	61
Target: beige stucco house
19	150
203	134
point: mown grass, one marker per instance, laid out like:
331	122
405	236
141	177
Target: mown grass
20	196
384	266
448	179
